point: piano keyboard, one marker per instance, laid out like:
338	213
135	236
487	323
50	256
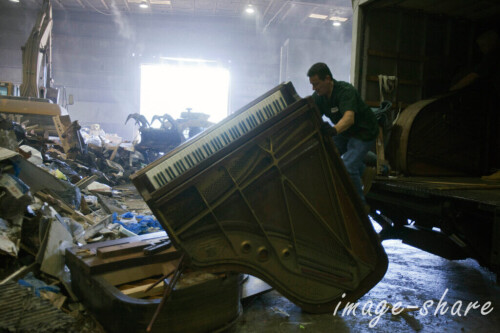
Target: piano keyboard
214	140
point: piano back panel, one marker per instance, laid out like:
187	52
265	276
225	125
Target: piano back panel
281	207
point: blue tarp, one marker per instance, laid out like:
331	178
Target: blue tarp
143	224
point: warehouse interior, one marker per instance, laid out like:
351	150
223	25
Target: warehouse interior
98	234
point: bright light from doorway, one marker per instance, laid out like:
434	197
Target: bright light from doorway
173	88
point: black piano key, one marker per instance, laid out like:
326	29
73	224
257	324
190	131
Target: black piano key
254	119
155	177
188	162
183	166
270	107
270	111
162	176
263	114
277	106
214	145
250	125
220	141
169	173
172	172
266	111
195	156
233	130
230	130
177	168
283	102
237	131
200	153
191	160
223	136
259	115
205	147
210	150
244	127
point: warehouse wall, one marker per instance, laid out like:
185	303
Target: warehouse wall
97	57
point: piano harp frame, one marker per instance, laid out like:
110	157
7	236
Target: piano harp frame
278	205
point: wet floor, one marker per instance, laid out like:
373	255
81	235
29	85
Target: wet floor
414	278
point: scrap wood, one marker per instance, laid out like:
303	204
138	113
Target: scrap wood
109	205
121	249
56	299
143	290
115	150
84	182
94	229
19	273
74	214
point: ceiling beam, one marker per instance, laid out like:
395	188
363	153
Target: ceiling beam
275	15
105	4
126	5
80	3
268	7
59	2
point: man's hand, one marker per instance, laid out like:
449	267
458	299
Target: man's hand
328	130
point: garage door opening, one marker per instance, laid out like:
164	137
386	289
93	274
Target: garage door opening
184	84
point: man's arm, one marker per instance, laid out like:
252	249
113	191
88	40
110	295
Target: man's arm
465	81
345	122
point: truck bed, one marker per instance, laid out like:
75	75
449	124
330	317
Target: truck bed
455	218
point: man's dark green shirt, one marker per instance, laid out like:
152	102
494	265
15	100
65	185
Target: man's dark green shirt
344	98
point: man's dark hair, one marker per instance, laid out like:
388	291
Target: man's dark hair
321	70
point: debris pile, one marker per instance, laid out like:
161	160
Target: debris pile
57	193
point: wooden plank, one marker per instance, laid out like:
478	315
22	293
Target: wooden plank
121	249
139	292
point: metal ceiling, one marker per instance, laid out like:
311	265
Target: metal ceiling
268	11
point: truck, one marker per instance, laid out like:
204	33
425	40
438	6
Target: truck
441	190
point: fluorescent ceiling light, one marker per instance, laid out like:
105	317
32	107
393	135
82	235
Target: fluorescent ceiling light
143	4
337	18
14	0
336	24
249	9
318	16
160	2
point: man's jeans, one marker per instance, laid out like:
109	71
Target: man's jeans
353	152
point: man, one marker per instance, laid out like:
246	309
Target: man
489	69
355	127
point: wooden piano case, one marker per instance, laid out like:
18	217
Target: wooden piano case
279	205
101	273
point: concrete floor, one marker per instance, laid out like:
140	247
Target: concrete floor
413	277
